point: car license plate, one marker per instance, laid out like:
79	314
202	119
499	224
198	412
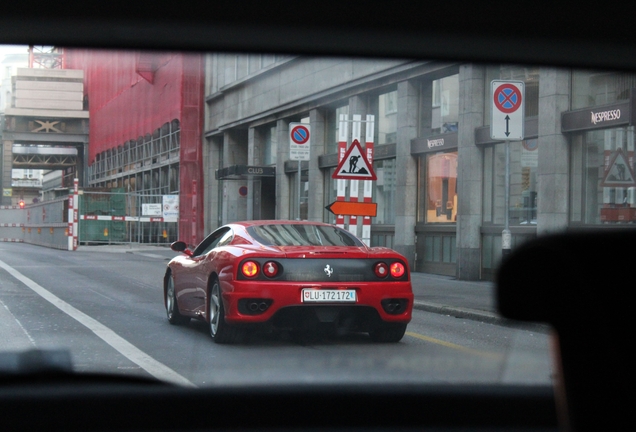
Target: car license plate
312	295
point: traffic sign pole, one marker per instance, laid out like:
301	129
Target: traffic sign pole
507	123
506	236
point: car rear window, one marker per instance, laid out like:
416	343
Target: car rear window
302	235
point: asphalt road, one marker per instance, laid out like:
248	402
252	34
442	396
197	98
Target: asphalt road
107	309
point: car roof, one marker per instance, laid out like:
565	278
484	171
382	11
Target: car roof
278	222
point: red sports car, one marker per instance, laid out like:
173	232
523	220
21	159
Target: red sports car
296	275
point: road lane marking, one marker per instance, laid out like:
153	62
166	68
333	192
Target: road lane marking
454	346
125	348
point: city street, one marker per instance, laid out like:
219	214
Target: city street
107	309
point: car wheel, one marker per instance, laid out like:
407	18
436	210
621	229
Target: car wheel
172	308
220	331
388	332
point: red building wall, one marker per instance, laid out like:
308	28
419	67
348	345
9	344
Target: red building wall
132	94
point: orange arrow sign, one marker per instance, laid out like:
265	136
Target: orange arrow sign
353	208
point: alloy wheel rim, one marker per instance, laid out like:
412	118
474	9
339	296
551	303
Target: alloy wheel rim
214	310
170	299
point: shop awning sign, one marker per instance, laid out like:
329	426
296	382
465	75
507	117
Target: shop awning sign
619	172
507	108
354	166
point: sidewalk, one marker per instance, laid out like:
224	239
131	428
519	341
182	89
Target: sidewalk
474	300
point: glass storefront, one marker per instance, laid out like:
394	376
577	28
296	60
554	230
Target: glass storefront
603	186
384	107
384	191
438	188
523	183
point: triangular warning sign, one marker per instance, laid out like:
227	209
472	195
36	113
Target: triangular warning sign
354	166
619	173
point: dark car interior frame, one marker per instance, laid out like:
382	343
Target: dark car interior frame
556	33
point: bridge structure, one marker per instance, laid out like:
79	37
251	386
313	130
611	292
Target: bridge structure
46	124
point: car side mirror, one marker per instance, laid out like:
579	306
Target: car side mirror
181	246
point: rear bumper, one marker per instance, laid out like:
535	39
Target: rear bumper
282	296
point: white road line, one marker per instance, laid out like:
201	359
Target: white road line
125	348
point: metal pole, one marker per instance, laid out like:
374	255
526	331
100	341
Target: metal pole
298	218
506	238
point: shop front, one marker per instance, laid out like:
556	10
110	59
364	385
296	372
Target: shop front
603	182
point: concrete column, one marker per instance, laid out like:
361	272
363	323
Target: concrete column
316	178
234	205
553	174
406	181
5	169
469	172
282	180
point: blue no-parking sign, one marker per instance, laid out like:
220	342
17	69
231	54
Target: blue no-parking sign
299	141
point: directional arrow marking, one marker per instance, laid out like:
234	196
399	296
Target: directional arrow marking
507	125
353	208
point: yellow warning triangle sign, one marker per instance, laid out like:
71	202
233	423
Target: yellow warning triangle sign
354	166
620	172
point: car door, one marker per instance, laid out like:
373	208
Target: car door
194	274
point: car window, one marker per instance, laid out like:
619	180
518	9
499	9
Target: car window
301	235
217	238
182	144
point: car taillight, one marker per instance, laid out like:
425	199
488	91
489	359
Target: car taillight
270	269
381	270
249	268
397	269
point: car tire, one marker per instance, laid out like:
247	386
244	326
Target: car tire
388	333
172	307
220	331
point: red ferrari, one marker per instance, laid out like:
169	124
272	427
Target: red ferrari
293	275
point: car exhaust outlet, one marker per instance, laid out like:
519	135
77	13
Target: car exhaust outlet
253	306
262	307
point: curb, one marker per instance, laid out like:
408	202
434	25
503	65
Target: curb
480	315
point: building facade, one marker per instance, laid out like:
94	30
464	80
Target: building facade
440	177
145	131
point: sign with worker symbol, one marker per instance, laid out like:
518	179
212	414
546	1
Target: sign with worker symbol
619	172
354	166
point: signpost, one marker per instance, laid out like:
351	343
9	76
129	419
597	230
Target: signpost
299	145
506	123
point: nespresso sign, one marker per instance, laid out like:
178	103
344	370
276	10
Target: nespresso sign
603	116
434	143
617	114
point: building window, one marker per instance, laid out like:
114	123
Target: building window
299	209
445	105
384	191
384	107
270	146
530	77
437	188
602	182
333	128
590	88
523	183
